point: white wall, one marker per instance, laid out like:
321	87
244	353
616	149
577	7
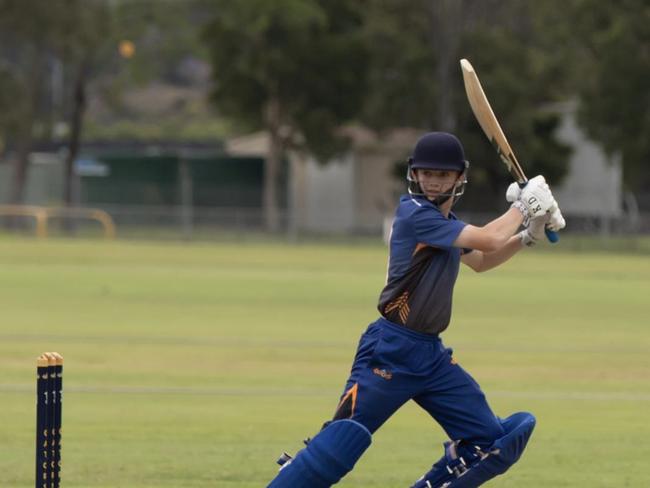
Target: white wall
329	200
594	184
44	180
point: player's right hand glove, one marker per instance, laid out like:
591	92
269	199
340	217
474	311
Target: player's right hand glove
535	199
556	221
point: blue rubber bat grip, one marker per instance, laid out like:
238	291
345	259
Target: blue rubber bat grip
551	236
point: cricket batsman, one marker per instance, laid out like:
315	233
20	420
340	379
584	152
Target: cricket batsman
401	357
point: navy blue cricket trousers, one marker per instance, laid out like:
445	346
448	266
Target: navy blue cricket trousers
394	364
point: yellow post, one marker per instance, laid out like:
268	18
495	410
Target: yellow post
41	223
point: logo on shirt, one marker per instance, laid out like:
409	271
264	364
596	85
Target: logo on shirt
387	375
400	304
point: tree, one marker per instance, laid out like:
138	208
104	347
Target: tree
416	79
84	29
80	38
37	35
295	68
508	69
11	98
156	35
402	65
27	32
613	89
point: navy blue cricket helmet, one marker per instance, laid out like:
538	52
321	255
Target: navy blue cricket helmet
440	151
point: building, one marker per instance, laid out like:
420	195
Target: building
353	193
357	192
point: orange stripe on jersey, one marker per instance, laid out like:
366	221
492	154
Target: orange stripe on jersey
404	312
398	303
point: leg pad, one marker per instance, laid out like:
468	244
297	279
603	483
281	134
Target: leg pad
329	456
466	466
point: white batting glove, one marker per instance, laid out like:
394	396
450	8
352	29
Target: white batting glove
536	197
513	192
535	231
556	221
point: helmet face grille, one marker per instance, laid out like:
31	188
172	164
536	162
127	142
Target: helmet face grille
456	192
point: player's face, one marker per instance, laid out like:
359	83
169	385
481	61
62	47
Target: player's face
436	181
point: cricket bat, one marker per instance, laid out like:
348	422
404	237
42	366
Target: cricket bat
490	125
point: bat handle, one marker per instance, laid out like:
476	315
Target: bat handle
551	235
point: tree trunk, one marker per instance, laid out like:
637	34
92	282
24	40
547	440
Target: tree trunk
272	166
25	133
20	164
71	183
76	124
446	32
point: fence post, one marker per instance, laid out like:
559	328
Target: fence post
187	197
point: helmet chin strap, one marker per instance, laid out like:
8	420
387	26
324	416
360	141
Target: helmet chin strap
442	198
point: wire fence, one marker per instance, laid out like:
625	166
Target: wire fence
239	224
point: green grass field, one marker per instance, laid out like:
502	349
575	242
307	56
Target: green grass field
197	365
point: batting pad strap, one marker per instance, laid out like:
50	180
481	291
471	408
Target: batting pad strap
329	456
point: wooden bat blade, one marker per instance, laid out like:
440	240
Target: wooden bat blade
490	125
488	121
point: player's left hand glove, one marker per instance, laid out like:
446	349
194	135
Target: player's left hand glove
535	230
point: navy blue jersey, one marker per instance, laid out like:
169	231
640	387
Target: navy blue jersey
422	268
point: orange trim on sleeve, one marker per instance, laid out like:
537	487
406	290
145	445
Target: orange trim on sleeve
419	247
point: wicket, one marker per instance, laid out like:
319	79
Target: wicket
49	391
